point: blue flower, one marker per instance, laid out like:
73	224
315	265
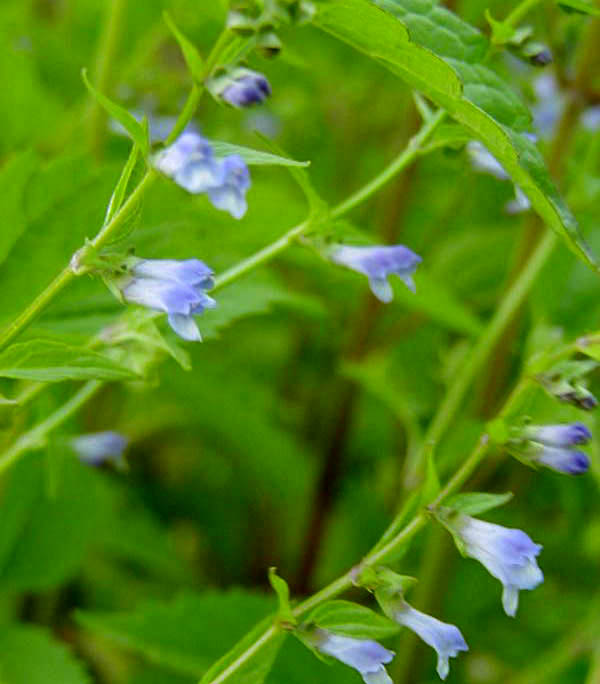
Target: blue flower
366	657
230	195
568	461
175	287
377	263
508	554
245	88
100	447
549	446
446	639
191	163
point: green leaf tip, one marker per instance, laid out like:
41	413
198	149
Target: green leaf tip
136	130
192	57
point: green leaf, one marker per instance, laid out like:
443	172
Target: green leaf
350	619
280	587
579	6
187	634
475	503
250	660
254	157
439	55
138	131
53	361
190	53
14	178
29	655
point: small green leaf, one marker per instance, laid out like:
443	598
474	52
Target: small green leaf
254	157
579	7
190	53
280	587
353	620
502	32
475	503
138	131
52	361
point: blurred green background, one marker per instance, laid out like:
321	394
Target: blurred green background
286	444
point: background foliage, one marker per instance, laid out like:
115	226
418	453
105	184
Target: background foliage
286	443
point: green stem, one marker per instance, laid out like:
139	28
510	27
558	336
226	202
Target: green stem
400	162
107	51
520	11
35	437
189	109
260	257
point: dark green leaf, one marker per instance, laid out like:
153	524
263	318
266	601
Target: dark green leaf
439	55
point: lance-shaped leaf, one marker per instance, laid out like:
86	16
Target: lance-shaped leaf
190	52
138	131
439	55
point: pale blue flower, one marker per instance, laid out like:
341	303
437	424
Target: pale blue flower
191	163
175	287
568	461
377	263
446	639
100	447
246	88
508	554
230	195
366	657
